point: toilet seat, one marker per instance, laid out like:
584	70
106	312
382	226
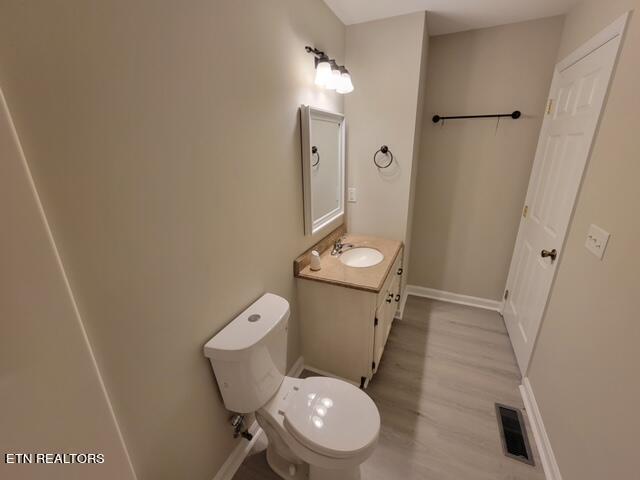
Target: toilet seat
332	417
289	444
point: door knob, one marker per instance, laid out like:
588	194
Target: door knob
551	254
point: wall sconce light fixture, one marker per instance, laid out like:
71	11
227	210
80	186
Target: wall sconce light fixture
329	74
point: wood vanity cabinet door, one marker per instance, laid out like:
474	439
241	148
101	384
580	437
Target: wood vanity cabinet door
379	334
390	312
386	310
395	290
386	289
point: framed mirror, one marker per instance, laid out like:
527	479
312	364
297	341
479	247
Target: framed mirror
323	168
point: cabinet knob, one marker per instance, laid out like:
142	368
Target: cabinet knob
398	298
389	298
400	271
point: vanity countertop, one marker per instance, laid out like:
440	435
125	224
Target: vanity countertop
369	278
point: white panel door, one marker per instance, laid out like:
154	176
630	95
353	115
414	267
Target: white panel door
576	99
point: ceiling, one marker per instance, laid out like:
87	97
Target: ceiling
448	16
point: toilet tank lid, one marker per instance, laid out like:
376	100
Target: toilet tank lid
264	315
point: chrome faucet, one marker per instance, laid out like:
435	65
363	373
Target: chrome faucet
338	246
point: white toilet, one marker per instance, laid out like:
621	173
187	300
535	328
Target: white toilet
318	427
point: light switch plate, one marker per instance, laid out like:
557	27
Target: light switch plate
351	194
597	239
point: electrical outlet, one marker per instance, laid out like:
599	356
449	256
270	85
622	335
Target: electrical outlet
351	194
597	240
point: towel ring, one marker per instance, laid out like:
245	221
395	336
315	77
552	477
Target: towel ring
385	151
314	151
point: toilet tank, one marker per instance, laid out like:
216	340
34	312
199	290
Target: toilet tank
249	355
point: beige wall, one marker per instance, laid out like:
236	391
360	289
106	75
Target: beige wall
164	140
385	58
472	178
51	395
586	364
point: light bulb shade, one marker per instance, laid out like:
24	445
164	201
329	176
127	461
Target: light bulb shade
323	73
345	85
334	80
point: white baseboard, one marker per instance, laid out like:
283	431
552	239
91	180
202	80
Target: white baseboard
242	449
450	297
547	458
297	368
324	373
238	454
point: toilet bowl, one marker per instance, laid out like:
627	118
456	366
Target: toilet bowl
318	428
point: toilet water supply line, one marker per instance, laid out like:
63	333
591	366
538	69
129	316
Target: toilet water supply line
239	430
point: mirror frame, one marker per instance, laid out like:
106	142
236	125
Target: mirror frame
335	217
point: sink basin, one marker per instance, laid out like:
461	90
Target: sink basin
360	257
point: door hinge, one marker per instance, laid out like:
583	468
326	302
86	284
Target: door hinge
506	294
549	106
375	322
525	210
373	365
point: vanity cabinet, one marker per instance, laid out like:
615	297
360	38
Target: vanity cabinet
344	326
